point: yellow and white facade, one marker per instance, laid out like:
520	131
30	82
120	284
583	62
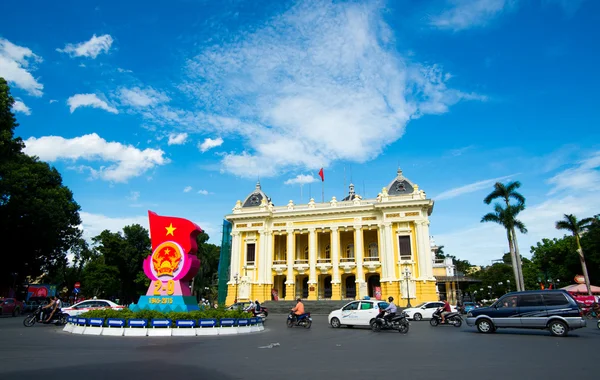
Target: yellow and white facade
335	250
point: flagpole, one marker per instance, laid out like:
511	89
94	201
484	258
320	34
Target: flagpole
300	193
322	191
309	192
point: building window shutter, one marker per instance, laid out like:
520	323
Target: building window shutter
250	253
405	249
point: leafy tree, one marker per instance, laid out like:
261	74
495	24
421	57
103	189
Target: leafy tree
100	280
507	218
576	227
69	269
36	209
506	193
125	253
209	265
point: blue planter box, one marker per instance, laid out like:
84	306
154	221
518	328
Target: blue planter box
81	321
243	322
185	323
253	321
161	323
98	322
207	323
228	322
137	323
114	322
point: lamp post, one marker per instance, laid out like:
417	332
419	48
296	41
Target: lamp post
490	291
236	278
500	284
508	286
407	277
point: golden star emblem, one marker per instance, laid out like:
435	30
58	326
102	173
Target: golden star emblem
170	229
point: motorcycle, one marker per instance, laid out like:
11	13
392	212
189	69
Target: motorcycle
303	320
453	318
59	318
398	322
599	323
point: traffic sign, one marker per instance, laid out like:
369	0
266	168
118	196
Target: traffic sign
77	285
76	290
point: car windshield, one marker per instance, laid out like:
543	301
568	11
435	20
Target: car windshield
419	305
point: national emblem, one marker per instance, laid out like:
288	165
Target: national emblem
166	259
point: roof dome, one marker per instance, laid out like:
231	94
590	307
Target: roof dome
351	194
254	199
400	185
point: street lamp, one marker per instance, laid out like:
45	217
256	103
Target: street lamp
407	276
236	278
490	291
508	286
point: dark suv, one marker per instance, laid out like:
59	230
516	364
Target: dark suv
555	310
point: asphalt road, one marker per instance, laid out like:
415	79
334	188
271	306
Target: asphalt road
426	352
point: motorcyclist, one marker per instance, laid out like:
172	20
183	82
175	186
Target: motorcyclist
250	308
54	305
446	309
257	307
390	310
299	309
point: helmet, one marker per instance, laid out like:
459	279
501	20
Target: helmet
391	299
298	300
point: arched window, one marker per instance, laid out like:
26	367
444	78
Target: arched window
350	251
373	251
327	252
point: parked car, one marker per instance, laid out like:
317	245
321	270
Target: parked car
82	307
239	306
424	310
554	310
356	313
10	306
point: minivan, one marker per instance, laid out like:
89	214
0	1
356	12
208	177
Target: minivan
554	310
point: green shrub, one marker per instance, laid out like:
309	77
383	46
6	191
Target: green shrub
127	314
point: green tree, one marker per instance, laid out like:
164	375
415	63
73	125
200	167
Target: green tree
209	264
506	217
36	210
126	253
576	227
506	193
100	280
69	269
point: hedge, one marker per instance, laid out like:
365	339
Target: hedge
127	314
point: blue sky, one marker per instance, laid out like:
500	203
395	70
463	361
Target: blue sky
180	107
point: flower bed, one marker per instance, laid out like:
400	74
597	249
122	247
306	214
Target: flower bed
149	315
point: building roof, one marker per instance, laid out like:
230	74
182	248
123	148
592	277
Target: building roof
351	194
400	185
255	198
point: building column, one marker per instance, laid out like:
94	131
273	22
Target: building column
313	290
381	247
234	265
428	256
390	257
290	281
336	289
358	254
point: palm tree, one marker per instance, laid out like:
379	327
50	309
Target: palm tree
506	192
576	227
506	217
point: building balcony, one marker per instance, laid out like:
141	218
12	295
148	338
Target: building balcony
371	263
279	266
324	266
301	265
347	264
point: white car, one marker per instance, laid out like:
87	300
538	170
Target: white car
356	313
425	310
83	306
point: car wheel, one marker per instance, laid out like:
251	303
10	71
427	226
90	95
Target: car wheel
417	317
485	326
558	328
335	323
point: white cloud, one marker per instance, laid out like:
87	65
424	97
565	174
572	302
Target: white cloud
301	179
209	143
92	48
93	224
471	188
19	106
584	176
134	196
123	70
335	90
465	14
177	138
89	100
16	64
203	192
137	97
53	101
187	189
125	161
480	243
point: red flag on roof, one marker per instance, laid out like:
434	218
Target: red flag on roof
322	175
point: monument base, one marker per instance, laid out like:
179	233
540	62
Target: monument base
166	304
